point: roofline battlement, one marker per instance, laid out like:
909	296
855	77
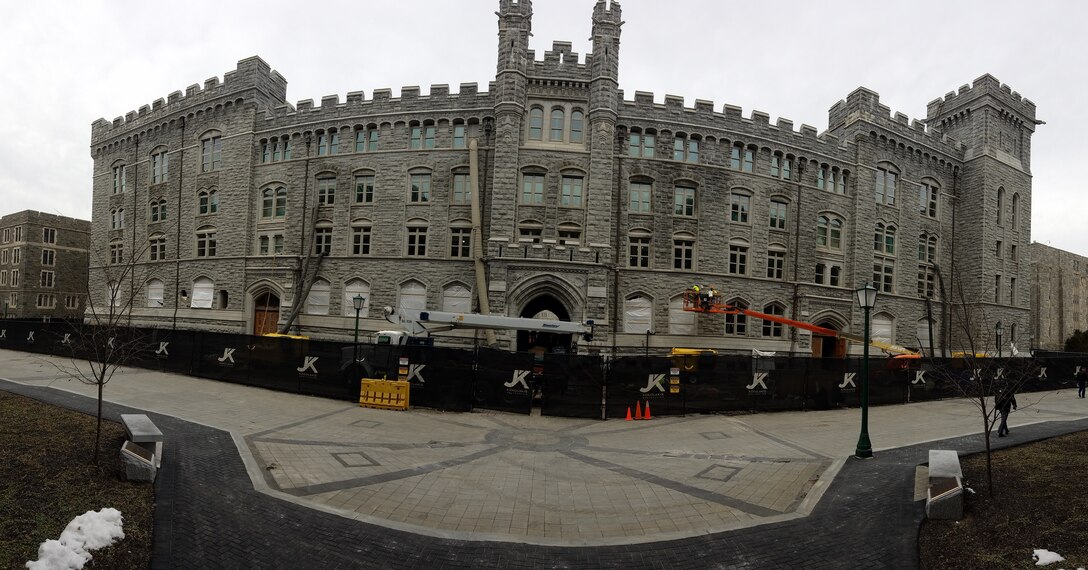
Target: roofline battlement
985	85
560	61
250	73
382	101
863	104
607	10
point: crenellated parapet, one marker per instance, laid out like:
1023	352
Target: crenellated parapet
986	85
729	123
864	105
559	62
251	74
382	106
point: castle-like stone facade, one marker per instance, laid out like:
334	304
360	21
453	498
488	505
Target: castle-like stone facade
553	191
43	265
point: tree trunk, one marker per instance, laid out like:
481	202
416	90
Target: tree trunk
98	428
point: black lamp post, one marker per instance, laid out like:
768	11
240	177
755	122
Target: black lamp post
866	296
997	331
357	302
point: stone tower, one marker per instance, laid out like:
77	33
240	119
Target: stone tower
603	105
515	27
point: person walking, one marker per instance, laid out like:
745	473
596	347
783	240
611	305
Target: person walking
1082	379
1005	402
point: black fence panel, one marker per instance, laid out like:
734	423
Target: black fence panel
632	380
504	381
222	356
169	351
325	369
571	386
440	378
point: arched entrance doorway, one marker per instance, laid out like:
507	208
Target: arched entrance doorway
828	346
544	307
266	313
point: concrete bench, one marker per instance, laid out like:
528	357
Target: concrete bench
944	499
142	453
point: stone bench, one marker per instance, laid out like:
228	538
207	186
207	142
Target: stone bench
141	455
944	499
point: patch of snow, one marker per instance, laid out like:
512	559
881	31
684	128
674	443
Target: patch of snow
1043	557
89	531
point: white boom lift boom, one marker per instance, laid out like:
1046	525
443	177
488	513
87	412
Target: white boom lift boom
416	322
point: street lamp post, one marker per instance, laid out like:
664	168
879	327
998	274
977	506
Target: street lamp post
357	302
998	330
866	296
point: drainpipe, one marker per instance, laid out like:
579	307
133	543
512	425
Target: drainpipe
177	225
794	331
478	237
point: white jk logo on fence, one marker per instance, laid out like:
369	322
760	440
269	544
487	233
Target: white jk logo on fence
67	339
654	381
848	379
162	349
416	371
758	380
228	354
977	374
30	336
4	333
919	377
518	378
109	342
1000	374
1042	372
308	363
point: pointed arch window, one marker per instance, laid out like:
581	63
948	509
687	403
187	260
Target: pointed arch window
456	298
317	302
351	289
772	329
637	314
412	295
737	324
680	321
154	293
274	202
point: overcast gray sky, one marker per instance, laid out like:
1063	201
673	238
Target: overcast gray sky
65	64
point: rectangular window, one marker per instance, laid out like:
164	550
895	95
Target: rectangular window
458	136
572	192
555	131
46	280
738	260
4	257
360	140
683	253
787	168
364	189
428	136
998	248
3	278
693	151
885	186
46	301
641	145
462	192
570	237
71	302
158	249
997	289
683	201
421	188
328	143
262	247
739	205
884	275
776	264
326	191
840	187
15	257
120	179
49	257
159	163
685	150
323	241
1012	290
640	198
749	160
415	140
821	177
417	241
734	157
529	234
372	140
776	166
14	277
927	200
205	244
1012	252
532	189
211	154
117	252
360	240
777	215
836	274
927	278
639	249
18	233
460	242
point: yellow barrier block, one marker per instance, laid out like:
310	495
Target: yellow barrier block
383	394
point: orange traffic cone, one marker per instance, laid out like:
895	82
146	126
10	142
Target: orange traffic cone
647	410
638	410
628	413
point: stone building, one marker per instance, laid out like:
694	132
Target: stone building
43	265
589	204
1059	296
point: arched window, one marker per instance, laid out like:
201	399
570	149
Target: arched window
884	239
680	321
412	295
203	293
639	247
771	328
1000	206
205	241
570	233
211	151
637	314
159	165
536	123
683	251
737	324
417	237
829	232
317	302
273	202
456	298
928	192
158	210
530	231
351	289
154	293
887	180
207	201
883	328
577	125
323	237
555	124
1014	215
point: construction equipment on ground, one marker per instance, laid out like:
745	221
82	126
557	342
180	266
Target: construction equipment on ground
709	300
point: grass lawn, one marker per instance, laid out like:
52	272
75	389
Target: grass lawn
1040	501
47	478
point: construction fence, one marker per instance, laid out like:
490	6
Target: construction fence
560	384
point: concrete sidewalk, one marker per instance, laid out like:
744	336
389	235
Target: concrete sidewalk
438	480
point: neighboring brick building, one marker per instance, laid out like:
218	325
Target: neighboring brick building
592	206
43	265
1059	295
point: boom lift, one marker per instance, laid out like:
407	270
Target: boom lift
708	300
416	322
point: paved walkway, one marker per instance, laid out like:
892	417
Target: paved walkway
254	478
